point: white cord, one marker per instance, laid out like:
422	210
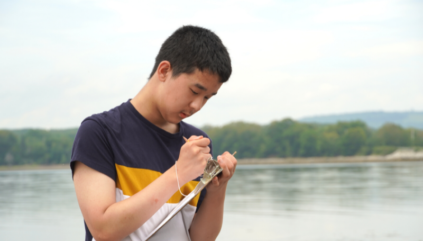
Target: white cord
177	179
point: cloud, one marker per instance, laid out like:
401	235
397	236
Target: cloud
356	12
138	16
270	49
65	60
390	51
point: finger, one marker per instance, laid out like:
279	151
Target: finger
205	150
233	172
230	159
221	162
227	154
193	138
215	181
230	167
230	163
194	146
224	165
207	157
201	142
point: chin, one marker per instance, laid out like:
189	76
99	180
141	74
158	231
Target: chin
174	120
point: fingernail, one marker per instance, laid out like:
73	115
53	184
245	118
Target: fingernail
219	159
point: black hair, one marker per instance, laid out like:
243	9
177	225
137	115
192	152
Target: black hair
191	47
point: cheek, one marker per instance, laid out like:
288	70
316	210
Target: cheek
175	103
171	96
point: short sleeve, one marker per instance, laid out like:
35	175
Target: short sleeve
91	147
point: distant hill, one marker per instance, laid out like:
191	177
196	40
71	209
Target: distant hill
374	119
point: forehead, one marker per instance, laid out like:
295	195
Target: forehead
205	80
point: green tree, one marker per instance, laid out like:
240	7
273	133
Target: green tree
8	141
278	141
284	138
309	143
247	139
391	135
353	140
330	143
34	146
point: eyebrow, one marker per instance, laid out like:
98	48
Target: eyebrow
202	88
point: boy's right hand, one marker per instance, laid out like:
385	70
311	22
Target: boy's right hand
193	158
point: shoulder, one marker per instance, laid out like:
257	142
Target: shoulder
107	120
93	144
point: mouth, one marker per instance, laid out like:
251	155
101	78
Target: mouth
183	115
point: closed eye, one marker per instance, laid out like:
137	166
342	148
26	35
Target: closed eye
195	93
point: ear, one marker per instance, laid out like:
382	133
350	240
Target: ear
164	70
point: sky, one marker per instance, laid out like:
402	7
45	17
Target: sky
64	60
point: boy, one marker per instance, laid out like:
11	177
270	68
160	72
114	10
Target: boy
129	163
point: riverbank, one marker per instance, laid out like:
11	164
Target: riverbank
317	160
34	167
402	154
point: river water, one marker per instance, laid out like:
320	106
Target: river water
345	202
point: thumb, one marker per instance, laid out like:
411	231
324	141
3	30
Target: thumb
193	138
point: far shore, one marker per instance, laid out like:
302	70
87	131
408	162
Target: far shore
34	167
318	160
262	161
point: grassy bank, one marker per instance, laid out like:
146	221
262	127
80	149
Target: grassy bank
34	167
316	160
260	161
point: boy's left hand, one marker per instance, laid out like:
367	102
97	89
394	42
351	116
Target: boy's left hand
228	163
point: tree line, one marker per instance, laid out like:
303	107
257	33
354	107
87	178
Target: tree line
289	138
284	138
35	146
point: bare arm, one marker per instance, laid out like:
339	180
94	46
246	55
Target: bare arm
111	220
208	221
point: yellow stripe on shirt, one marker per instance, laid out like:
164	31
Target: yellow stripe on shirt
132	180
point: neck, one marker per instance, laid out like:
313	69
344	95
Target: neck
146	103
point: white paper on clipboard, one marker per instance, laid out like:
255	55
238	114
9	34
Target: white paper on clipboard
211	170
200	186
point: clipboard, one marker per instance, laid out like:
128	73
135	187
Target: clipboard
212	169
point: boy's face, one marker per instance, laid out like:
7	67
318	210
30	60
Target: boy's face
186	94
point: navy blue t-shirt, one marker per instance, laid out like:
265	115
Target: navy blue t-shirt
126	147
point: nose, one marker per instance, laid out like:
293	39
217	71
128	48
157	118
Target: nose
197	104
